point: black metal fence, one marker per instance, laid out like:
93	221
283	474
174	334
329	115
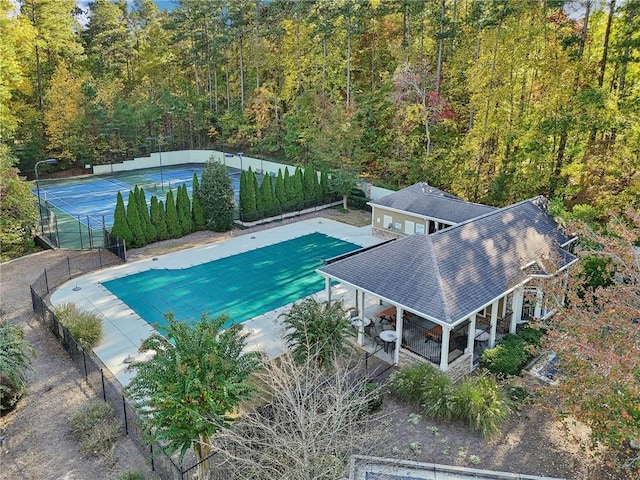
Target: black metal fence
97	374
421	338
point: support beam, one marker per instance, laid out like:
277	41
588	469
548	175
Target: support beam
494	323
327	287
516	308
399	327
444	350
471	337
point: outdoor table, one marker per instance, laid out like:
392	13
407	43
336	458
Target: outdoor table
359	323
388	337
482	336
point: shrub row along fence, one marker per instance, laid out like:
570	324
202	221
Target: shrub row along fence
97	374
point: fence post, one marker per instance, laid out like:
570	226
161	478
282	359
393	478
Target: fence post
126	422
69	267
89	232
104	391
100	256
153	464
46	280
80	233
55	219
84	360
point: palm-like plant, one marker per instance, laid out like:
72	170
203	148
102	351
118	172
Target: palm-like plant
192	383
14	364
342	182
316	329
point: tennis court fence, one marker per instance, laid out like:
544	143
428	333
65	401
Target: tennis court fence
84	232
99	377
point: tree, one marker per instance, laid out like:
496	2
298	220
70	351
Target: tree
157	218
324	187
192	384
18	210
303	422
596	336
197	213
289	190
267	197
311	187
171	215
217	196
120	226
247	197
14	364
316	330
297	184
260	208
279	191
342	182
134	222
150	233
183	207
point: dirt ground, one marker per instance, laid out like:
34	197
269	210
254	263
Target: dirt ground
37	444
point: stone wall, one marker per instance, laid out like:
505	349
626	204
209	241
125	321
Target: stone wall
460	367
457	369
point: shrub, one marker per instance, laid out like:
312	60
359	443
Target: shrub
95	427
14	363
436	394
508	357
84	326
374	394
531	335
481	403
406	383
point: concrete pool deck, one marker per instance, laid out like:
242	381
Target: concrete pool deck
124	330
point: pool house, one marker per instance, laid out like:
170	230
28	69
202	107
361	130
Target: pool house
446	296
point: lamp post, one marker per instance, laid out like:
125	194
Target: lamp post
160	140
240	155
48	161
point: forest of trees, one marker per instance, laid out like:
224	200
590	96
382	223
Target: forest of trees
493	100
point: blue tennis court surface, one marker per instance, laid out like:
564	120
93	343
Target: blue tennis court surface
244	285
93	201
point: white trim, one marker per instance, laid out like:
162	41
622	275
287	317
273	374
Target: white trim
417	215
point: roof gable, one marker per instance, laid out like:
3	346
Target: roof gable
455	272
425	200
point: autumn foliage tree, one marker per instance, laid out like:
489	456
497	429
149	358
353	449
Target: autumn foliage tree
596	336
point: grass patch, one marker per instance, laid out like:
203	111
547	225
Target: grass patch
84	326
478	400
95	427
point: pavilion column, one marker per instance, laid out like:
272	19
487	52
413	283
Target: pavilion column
399	327
494	324
360	301
471	337
444	349
516	308
327	286
538	309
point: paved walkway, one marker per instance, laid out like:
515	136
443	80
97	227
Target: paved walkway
124	330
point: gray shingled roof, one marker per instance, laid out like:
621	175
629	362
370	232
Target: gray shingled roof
451	274
423	199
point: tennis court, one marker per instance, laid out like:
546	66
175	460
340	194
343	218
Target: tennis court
244	285
75	210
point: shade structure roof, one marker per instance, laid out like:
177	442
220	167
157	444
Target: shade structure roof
424	200
455	272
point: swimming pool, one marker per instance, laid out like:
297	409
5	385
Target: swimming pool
244	285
